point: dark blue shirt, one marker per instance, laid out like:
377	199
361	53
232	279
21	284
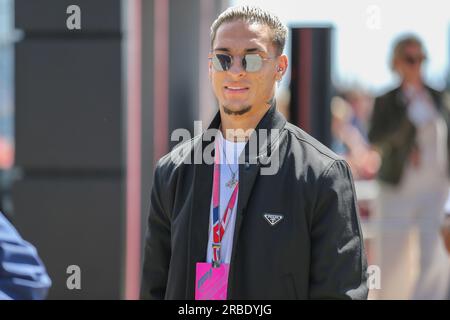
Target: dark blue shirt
22	273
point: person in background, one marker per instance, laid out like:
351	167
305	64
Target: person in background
349	120
445	229
22	273
409	126
361	104
6	154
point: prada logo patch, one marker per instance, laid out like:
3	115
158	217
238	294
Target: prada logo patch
273	219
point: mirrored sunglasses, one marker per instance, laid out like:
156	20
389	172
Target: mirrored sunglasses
251	62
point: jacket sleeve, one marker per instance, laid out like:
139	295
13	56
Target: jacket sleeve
388	131
22	273
157	249
338	262
376	133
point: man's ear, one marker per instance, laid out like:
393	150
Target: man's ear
282	65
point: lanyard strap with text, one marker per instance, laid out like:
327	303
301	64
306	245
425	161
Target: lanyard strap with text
220	225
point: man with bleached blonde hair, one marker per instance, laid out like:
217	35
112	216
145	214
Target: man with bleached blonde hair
230	229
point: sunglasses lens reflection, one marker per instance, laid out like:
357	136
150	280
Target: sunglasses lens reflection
250	62
221	62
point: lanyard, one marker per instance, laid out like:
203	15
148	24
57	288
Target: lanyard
220	225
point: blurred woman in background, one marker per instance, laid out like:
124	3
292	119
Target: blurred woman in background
409	126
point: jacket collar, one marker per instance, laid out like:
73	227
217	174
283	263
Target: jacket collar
402	101
272	120
202	190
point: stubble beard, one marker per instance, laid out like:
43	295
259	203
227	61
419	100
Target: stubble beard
240	112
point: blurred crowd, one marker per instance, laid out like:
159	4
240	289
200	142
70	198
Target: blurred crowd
350	112
401	139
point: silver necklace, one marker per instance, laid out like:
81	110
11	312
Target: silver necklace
233	181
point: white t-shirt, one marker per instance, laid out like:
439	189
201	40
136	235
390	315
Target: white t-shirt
233	150
432	142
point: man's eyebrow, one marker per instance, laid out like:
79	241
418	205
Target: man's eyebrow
254	50
246	50
221	49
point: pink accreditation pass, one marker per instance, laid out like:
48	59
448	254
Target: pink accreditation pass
211	283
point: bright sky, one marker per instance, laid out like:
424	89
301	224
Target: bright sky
364	31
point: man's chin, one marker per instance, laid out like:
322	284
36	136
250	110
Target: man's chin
236	110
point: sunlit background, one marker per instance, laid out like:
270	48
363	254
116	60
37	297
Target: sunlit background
365	31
